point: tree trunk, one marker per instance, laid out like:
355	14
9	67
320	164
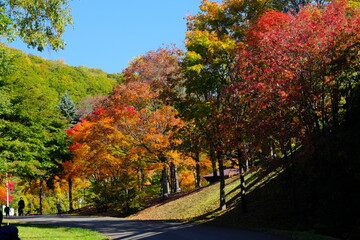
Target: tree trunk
127	202
242	169
222	181
165	183
174	178
246	155
243	192
272	149
40	197
198	172
70	195
142	179
284	151
213	162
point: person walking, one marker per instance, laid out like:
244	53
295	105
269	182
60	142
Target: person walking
58	207
21	206
7	211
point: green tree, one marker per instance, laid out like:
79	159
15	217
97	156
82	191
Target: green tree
28	130
38	23
33	142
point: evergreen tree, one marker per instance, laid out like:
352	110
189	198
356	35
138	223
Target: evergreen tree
69	112
68	109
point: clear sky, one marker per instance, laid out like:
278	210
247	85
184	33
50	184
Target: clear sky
107	34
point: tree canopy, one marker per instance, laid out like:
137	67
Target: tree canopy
37	23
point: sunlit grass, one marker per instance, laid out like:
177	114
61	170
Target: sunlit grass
47	232
205	202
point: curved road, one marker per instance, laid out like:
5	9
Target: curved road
127	229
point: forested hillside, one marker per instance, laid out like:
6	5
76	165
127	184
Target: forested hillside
54	78
32	125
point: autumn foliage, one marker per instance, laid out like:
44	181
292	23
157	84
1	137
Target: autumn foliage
294	71
126	141
254	86
3	190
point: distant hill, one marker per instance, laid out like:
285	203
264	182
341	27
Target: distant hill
55	77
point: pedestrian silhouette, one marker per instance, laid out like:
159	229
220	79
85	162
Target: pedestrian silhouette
58	207
7	211
21	206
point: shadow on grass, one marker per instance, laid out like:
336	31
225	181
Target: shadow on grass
40	226
293	200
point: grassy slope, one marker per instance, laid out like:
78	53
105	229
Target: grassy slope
197	205
187	207
202	206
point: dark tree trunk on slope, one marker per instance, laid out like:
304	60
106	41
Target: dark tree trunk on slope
175	187
127	201
197	170
243	192
222	181
242	169
243	157
165	183
177	183
70	195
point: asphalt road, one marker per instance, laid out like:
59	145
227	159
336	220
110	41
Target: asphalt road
126	229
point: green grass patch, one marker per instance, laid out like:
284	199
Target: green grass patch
48	232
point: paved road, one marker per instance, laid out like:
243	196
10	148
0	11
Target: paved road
126	229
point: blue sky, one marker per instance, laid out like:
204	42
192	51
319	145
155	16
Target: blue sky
107	34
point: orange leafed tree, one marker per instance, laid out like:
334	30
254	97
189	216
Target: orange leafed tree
152	125
125	140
